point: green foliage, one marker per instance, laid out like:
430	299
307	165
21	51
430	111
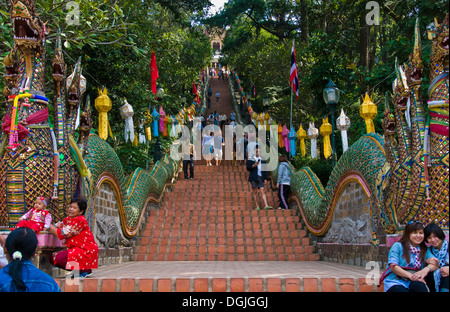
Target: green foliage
115	40
332	40
320	167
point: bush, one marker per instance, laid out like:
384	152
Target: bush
321	167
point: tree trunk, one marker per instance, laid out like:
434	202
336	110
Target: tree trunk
304	23
364	42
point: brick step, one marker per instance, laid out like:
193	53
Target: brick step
163	233
216	204
233	218
233	213
184	237
220	284
231	256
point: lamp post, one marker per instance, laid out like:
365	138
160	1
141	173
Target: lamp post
331	98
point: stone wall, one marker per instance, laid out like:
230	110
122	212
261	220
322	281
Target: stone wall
353	254
106	226
351	218
348	238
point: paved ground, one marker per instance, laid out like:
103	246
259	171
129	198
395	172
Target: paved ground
224	276
215	269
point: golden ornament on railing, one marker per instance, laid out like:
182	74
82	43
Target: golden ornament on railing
148	125
325	130
266	120
368	111
103	105
301	136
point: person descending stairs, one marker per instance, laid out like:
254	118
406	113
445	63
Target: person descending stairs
211	217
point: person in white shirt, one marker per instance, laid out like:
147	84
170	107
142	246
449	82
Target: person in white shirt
208	145
217	96
218	144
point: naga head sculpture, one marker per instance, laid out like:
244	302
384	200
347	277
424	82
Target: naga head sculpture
28	28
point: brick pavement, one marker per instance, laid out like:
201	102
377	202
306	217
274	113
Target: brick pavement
226	276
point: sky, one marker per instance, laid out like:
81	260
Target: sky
217	5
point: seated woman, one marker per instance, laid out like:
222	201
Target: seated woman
20	275
439	250
82	250
406	272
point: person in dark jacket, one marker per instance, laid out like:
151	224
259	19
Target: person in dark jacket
257	178
283	182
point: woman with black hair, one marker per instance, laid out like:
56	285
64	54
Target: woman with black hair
439	250
406	259
82	250
20	274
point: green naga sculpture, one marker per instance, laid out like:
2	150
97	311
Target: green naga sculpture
38	158
405	175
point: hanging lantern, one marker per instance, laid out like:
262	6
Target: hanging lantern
173	126
166	124
292	135
126	111
343	123
135	141
255	118
189	115
148	124
142	136
260	121
284	135
266	119
301	135
280	136
368	111
162	114
155	122
313	134
103	105
325	130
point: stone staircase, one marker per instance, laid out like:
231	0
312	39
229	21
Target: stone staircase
206	236
210	218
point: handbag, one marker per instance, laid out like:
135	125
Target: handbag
386	273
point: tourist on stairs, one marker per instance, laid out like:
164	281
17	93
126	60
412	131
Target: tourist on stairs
256	178
283	182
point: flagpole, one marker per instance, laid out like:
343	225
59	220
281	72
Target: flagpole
290	126
291	113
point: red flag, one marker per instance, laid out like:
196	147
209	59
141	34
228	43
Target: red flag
154	72
194	91
294	73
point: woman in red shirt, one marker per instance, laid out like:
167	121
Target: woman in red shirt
82	250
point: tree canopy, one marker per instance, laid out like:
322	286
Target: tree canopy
115	40
332	40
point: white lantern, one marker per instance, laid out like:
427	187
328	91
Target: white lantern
126	111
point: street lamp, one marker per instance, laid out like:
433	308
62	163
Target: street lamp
331	97
159	92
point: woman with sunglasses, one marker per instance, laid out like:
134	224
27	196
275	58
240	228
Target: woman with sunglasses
439	250
406	262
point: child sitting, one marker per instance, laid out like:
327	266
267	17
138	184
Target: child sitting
37	218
